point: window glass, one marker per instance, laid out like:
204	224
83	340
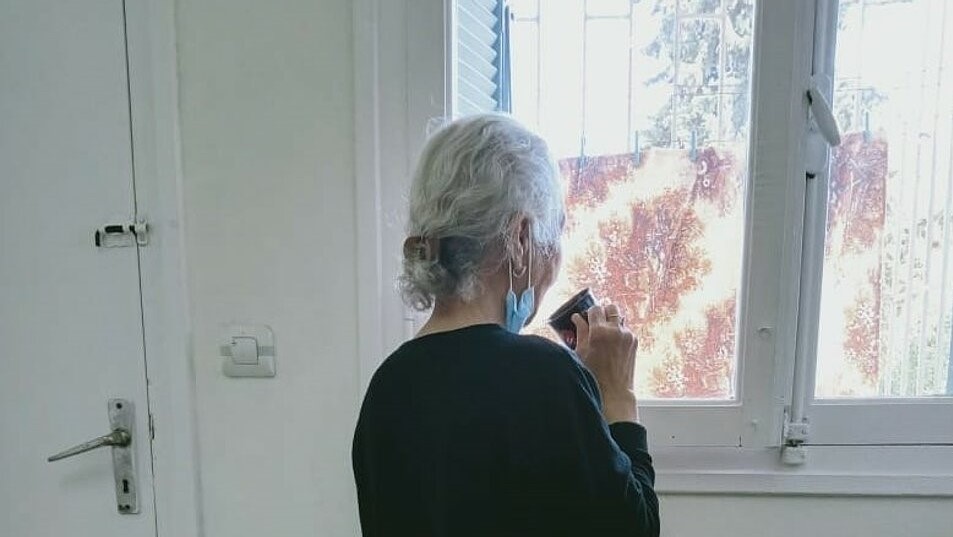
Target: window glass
887	293
646	106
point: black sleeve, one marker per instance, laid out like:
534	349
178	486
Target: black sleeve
605	471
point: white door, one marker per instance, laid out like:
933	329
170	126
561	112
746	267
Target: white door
71	334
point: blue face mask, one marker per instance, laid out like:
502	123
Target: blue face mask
518	311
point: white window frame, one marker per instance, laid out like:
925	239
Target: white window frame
403	79
912	421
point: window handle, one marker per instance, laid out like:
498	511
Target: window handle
823	115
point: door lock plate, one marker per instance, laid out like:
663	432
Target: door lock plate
122	416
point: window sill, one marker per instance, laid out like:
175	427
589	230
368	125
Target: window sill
827	471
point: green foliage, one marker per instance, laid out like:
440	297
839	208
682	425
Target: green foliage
707	61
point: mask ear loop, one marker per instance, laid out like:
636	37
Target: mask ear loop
529	282
529	279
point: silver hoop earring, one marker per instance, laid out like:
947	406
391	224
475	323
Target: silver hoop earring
519	274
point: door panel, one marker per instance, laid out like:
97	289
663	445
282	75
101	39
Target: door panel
70	313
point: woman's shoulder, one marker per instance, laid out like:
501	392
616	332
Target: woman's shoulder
539	348
528	356
555	362
552	375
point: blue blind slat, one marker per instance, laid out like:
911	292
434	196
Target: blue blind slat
481	51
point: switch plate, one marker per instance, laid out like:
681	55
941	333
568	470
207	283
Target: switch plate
249	351
245	350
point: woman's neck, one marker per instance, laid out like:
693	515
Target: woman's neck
454	314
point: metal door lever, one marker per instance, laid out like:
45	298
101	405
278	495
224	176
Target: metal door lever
119	437
122	421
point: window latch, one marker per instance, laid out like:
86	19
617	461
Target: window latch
794	434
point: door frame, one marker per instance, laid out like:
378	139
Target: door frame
153	94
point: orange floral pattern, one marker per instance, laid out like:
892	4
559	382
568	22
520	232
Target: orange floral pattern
661	237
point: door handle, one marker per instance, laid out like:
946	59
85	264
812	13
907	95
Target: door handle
119	437
121	420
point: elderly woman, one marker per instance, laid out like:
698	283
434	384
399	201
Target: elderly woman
471	428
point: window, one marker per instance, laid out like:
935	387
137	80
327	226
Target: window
795	390
887	297
884	287
646	105
757	304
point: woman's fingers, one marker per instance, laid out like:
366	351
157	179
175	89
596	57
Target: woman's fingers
597	315
582	333
609	353
609	314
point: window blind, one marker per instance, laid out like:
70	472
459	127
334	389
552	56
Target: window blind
482	56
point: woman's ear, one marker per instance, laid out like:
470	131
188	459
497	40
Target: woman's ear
421	249
521	243
524	233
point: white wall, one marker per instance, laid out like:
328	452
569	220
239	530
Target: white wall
266	105
267	108
800	516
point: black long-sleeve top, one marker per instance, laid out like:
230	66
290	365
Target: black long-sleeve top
480	432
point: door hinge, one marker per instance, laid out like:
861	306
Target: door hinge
121	235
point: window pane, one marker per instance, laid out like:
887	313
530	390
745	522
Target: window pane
524	58
607	85
524	9
607	8
659	230
887	295
699	6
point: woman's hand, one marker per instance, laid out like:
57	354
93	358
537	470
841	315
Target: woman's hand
608	349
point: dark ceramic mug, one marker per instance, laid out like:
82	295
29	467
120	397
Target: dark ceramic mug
561	320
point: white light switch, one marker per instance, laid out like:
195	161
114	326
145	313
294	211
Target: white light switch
249	351
245	350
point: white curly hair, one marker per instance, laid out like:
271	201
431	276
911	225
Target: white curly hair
476	177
